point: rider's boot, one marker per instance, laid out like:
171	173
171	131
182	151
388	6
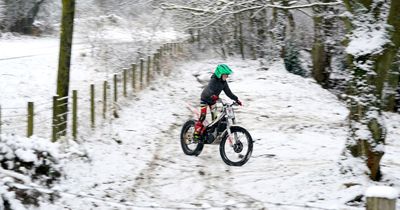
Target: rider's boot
198	129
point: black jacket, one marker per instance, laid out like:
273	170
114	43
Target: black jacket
215	87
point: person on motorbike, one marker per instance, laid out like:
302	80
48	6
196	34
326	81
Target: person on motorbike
210	95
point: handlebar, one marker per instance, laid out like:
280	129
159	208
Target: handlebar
226	104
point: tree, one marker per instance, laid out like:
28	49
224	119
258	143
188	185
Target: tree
63	77
370	63
19	15
389	61
321	54
251	26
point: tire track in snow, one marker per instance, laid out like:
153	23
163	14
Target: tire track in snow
170	171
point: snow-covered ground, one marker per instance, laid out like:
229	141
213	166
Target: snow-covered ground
299	130
135	161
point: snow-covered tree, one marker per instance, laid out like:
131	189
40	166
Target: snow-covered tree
20	15
374	42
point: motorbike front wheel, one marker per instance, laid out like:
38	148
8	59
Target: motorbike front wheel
188	144
236	149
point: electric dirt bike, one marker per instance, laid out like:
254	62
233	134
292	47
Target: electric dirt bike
235	142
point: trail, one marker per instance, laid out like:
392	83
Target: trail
298	135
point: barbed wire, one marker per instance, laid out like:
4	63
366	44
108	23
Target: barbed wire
14	116
12	108
43	110
12	128
63	98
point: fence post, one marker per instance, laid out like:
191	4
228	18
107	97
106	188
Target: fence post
160	61
141	72
134	77
115	96
154	65
30	119
148	77
105	84
74	114
92	106
157	62
115	88
55	119
124	84
381	198
0	122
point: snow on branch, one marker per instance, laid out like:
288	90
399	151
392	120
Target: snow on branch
205	10
231	8
184	8
9	173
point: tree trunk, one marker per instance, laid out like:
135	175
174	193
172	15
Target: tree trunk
367	131
64	63
262	28
253	38
387	64
320	56
241	39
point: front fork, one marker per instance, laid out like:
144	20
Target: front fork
228	128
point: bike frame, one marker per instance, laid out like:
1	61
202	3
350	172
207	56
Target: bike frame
229	113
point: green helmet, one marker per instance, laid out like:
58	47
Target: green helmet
222	69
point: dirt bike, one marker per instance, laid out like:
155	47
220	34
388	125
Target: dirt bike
235	142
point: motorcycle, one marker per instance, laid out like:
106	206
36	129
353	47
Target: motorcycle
235	142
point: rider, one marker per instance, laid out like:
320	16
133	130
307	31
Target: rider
210	95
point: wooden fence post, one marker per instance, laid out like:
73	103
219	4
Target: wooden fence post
105	84
74	114
0	123
115	113
54	136
381	198
160	61
124	82
157	62
134	77
115	88
30	119
148	77
141	72
92	106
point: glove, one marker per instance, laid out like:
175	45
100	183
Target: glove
214	98
239	102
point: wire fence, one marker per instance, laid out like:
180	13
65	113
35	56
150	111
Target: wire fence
103	100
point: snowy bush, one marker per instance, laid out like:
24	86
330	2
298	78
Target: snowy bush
25	164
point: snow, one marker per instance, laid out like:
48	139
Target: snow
135	161
367	42
382	192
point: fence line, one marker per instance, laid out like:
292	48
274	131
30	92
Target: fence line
139	76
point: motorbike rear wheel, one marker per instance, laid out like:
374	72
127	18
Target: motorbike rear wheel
188	144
